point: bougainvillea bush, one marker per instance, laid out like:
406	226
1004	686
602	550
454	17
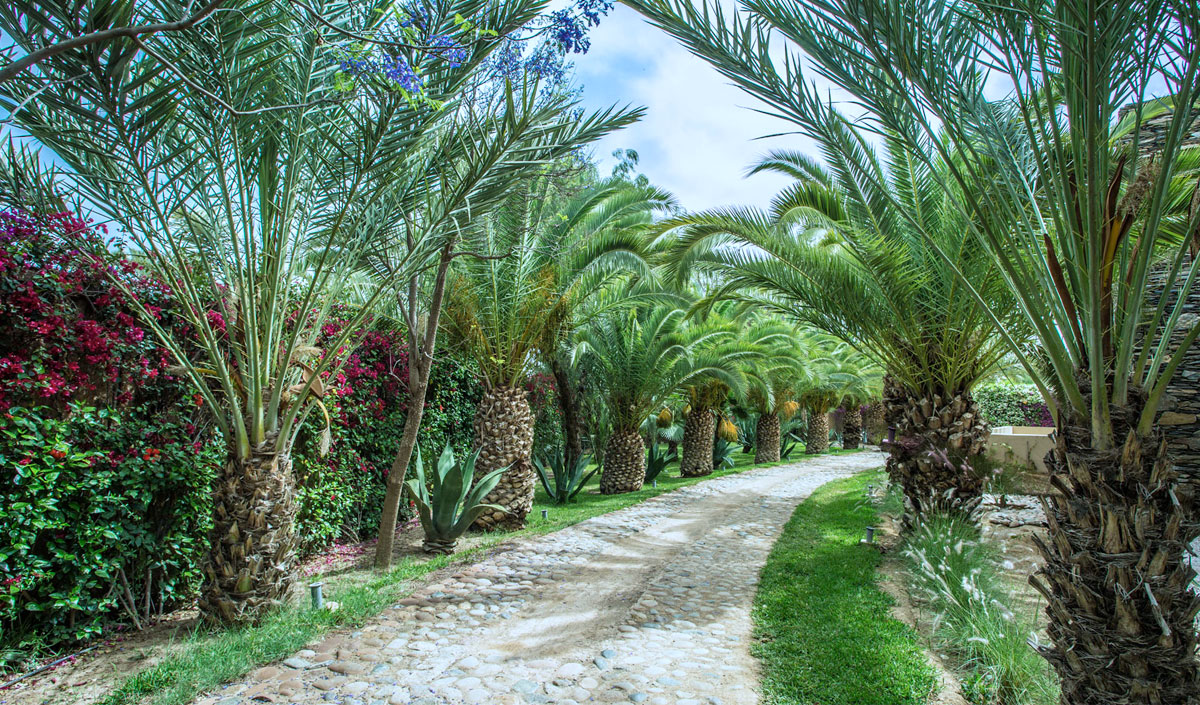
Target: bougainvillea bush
341	494
105	459
1013	405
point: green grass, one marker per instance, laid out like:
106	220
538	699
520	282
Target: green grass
823	629
206	659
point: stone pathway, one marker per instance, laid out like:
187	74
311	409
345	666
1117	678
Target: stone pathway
649	604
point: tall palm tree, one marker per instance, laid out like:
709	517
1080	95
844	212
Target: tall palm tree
637	359
855	260
245	164
617	212
1074	223
518	296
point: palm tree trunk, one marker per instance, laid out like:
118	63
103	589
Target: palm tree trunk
252	552
875	422
568	402
936	442
698	432
817	439
1121	616
852	428
624	463
767	432
504	437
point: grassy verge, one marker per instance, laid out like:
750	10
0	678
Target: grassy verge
211	658
952	571
824	632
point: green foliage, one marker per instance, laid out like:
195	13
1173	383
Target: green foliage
953	572
822	625
722	453
562	483
657	460
105	510
448	502
1012	405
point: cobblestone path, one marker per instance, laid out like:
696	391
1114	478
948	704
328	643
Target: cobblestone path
649	604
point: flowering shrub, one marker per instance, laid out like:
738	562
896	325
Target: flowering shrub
1013	405
104	457
341	494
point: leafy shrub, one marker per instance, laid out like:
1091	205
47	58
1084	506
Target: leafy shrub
547	414
447	502
1013	405
106	458
567	482
340	495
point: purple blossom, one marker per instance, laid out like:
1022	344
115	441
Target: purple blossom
448	50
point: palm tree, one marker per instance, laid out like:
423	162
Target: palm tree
734	350
771	394
637	359
1074	223
846	258
519	296
245	164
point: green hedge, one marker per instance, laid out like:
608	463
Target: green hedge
1012	405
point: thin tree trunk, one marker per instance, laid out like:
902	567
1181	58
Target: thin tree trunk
698	432
420	363
767	431
504	437
252	554
625	463
936	442
1122	620
817	438
568	402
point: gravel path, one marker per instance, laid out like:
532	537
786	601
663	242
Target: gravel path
649	604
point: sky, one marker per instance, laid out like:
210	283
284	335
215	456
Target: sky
700	133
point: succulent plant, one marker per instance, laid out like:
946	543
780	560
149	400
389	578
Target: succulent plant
447	503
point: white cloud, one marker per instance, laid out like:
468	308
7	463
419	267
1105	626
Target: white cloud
699	134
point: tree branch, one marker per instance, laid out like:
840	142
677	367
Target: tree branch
12	70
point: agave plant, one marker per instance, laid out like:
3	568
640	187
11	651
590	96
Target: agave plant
447	503
563	482
657	460
722	453
1074	221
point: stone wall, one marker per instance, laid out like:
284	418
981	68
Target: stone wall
1153	132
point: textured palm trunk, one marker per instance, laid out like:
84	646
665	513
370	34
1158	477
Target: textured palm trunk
817	438
568	402
625	463
504	437
1122	620
767	430
698	433
875	422
936	442
852	429
252	552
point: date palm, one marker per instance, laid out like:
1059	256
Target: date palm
533	268
245	165
1074	223
854	259
771	393
735	349
637	359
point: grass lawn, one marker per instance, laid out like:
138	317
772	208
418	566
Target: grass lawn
822	626
211	658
